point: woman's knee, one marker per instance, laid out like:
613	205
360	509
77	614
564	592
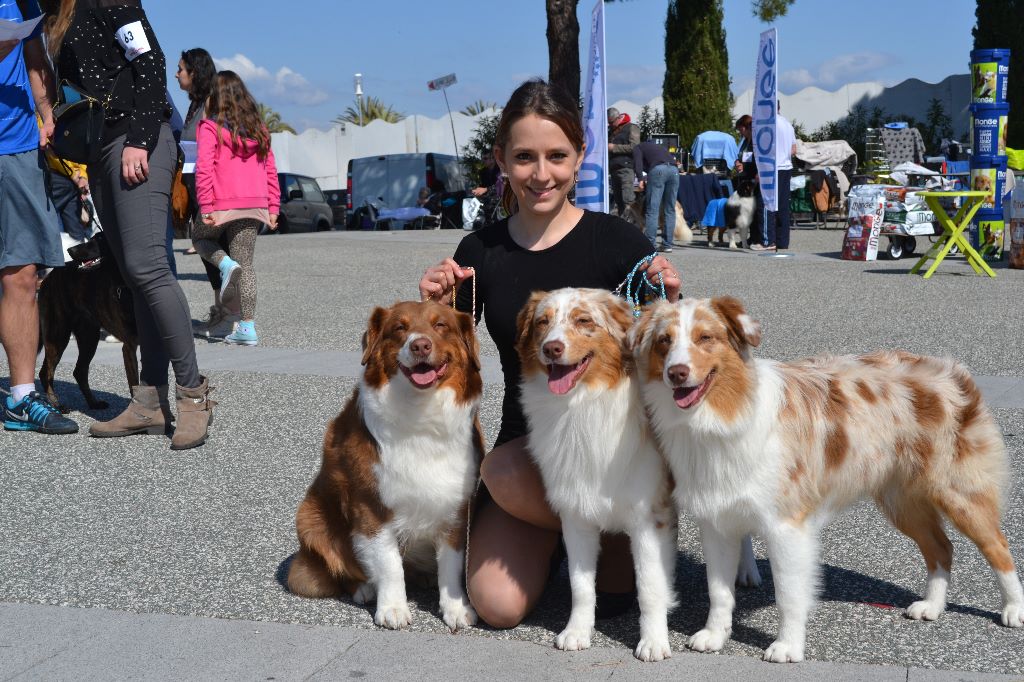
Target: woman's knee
498	601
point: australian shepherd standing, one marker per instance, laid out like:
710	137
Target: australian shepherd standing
777	449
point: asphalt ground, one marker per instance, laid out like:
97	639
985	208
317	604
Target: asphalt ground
129	527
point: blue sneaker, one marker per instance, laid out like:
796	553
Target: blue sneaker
35	413
230	271
242	336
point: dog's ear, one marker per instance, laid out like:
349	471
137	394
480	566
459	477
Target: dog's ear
468	332
641	327
524	321
744	331
373	333
620	313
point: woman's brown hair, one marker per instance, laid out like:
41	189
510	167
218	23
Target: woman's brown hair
59	14
546	101
234	109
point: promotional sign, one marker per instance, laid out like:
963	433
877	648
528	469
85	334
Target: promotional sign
592	187
765	110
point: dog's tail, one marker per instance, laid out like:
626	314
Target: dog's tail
324	567
683	234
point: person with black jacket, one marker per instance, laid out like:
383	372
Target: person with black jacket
623	137
107	48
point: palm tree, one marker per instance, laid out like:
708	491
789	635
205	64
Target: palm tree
372	109
273	121
478	107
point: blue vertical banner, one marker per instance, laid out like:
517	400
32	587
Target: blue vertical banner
592	188
766	109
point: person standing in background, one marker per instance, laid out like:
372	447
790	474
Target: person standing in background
745	168
777	223
623	137
661	186
29	231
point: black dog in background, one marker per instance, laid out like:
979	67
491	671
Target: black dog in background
81	301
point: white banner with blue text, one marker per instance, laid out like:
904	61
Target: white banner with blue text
766	108
592	188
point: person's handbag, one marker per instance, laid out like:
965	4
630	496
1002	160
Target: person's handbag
78	125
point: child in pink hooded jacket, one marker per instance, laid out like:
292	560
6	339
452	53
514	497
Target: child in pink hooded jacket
238	192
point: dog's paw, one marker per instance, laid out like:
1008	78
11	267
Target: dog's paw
783	652
708	640
364	594
925	610
653	648
458	614
573	639
393	616
1013	615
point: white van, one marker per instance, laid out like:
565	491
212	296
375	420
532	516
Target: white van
395	180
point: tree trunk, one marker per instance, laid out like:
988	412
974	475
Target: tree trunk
564	46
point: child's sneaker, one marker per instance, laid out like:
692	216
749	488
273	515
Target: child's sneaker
35	413
244	335
230	271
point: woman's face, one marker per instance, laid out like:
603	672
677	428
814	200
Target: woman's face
183	76
541	164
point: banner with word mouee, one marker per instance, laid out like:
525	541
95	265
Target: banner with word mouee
766	108
592	188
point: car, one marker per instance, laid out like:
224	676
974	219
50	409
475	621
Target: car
337	199
303	205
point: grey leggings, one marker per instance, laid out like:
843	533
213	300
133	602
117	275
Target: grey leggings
135	222
241	238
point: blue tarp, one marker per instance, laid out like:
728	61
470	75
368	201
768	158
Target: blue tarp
695	191
714	145
714	216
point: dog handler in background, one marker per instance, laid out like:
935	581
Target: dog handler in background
29	226
545	244
108	46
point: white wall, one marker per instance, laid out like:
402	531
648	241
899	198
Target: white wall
325	154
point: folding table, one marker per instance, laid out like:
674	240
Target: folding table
952	230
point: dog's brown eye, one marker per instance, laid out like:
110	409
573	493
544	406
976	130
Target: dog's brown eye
399	328
585	321
664	340
706	338
440	325
542	322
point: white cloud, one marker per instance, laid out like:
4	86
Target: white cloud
634	83
285	86
836	72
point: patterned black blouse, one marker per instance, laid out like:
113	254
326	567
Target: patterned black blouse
110	47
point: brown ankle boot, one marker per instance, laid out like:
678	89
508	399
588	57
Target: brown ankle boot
148	412
195	414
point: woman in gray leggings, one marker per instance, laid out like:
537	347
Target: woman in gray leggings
108	46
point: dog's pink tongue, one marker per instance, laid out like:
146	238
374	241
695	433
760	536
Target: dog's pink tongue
423	375
686	397
560	378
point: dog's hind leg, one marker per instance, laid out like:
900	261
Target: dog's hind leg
919	520
322	567
55	341
131	363
87	336
977	516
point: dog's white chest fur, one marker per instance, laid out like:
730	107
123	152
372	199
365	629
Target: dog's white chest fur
596	456
425	442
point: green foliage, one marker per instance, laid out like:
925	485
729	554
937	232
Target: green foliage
478	107
769	10
480	144
696	87
937	125
273	121
372	110
999	26
650	122
853	127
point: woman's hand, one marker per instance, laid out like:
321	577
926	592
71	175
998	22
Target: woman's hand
440	281
673	282
134	165
273	221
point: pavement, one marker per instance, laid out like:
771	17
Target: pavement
121	559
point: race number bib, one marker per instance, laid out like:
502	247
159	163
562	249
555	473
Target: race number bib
133	40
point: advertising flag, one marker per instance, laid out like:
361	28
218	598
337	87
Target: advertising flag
592	188
765	110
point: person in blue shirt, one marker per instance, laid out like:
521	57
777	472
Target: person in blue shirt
29	227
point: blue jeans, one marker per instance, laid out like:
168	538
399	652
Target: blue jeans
662	188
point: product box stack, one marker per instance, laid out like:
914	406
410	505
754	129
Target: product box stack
990	71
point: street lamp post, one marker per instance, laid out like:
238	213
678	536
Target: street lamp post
359	96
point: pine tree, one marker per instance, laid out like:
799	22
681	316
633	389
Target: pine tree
999	26
696	87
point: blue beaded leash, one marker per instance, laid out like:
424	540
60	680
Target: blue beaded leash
635	294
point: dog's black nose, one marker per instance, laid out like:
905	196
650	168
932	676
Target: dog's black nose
554	349
678	374
421	347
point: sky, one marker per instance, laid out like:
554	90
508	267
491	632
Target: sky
299	57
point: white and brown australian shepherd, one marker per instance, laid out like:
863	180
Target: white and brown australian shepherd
400	463
600	464
776	449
